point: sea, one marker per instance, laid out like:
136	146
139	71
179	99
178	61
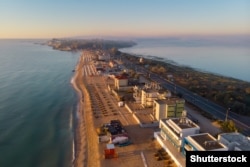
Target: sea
226	56
37	105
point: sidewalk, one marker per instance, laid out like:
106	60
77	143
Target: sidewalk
205	124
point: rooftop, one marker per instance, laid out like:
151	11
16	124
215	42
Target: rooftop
207	141
150	90
184	123
121	77
178	124
242	141
170	101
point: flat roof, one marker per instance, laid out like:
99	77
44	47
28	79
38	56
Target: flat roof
121	77
207	141
110	146
184	123
150	90
170	101
242	141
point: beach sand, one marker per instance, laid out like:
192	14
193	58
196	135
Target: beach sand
85	139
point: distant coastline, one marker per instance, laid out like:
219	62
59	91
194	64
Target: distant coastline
172	62
79	44
224	90
226	56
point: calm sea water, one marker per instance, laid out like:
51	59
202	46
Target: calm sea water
37	104
229	58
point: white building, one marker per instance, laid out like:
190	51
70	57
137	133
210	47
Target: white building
148	96
121	81
175	129
103	56
235	141
137	94
202	142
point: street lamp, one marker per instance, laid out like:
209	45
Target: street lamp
227	113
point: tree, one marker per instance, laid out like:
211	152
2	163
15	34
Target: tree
247	90
161	70
228	126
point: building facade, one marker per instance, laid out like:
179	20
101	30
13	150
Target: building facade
121	81
148	96
168	108
176	129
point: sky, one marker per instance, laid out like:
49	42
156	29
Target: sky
123	18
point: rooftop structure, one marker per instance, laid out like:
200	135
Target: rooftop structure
235	141
184	123
137	94
202	142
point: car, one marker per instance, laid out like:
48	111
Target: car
125	144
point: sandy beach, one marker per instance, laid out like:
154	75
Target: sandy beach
83	122
83	136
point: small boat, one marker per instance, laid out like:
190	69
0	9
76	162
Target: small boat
73	70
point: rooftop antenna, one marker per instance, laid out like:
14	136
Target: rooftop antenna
184	113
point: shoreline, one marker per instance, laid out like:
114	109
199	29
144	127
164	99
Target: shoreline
79	155
85	139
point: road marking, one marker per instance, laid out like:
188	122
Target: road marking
143	159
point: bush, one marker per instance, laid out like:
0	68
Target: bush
228	126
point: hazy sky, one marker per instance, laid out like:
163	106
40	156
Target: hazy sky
65	18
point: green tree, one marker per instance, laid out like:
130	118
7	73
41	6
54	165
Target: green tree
228	126
161	70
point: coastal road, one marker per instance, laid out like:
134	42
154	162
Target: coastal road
208	106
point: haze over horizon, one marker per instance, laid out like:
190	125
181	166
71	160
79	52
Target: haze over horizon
112	18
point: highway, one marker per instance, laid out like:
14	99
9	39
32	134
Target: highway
214	109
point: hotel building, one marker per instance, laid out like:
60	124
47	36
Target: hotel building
176	129
168	108
202	142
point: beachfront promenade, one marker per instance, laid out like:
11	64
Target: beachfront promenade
93	93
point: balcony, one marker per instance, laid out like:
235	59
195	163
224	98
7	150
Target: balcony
188	147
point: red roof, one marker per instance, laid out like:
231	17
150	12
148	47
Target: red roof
121	77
